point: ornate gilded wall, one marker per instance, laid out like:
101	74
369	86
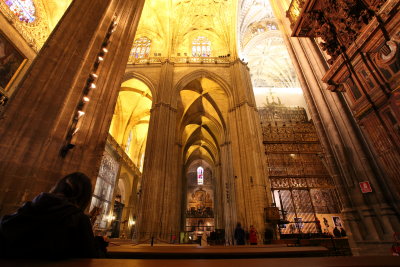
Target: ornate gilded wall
301	186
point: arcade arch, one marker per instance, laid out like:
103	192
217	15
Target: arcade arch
125	149
202	117
130	123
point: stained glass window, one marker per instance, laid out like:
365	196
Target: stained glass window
201	47
23	9
141	48
200	179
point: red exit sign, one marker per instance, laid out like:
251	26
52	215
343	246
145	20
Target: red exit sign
365	187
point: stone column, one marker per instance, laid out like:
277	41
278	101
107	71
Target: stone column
219	196
160	204
36	121
247	151
227	177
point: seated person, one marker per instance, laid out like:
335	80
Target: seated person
53	225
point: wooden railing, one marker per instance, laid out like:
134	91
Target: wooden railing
159	60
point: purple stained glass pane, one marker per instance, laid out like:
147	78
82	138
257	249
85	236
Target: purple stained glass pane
23	9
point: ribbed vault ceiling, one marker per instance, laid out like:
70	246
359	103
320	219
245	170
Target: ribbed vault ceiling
55	10
172	25
204	107
263	47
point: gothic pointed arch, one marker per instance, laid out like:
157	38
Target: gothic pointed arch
143	78
130	123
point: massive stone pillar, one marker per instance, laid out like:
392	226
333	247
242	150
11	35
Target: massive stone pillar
39	119
228	208
161	192
370	219
247	151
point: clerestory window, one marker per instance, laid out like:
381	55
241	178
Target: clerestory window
141	48
201	47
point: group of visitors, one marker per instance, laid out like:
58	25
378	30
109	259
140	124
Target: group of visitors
241	236
53	225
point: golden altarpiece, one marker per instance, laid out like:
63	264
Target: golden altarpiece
301	186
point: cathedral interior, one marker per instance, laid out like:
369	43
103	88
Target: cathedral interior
190	116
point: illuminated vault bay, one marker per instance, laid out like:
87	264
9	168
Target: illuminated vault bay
195	115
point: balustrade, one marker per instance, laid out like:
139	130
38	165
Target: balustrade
190	60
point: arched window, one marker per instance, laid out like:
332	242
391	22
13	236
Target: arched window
272	26
141	47
200	179
23	9
201	47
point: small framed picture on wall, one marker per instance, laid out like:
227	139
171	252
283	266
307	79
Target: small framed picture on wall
337	222
11	62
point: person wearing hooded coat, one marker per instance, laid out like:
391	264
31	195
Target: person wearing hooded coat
53	225
239	235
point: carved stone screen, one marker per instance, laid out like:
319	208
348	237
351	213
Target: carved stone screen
103	191
301	186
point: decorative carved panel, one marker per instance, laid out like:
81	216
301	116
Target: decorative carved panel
297	175
337	22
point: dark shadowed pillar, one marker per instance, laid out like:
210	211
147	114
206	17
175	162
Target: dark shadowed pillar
35	124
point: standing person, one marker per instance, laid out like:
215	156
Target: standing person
336	232
268	235
318	226
203	242
186	238
253	235
239	234
343	232
173	239
53	225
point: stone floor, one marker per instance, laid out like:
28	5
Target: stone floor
130	251
126	254
275	262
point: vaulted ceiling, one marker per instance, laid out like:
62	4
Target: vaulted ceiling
203	109
172	25
55	9
262	45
